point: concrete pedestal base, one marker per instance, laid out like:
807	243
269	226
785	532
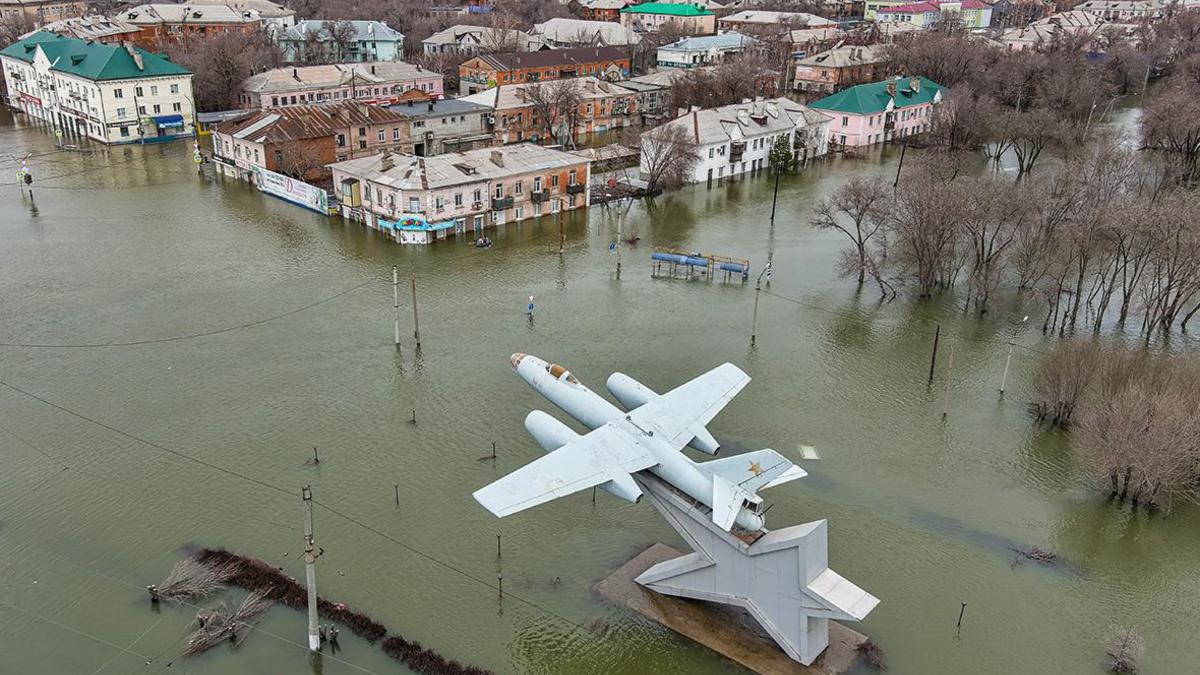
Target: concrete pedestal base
727	630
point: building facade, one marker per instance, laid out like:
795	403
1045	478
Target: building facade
384	83
838	68
461	192
650	17
295	142
880	112
95	28
340	41
737	139
600	10
703	50
445	125
763	19
489	70
464	39
108	93
160	24
970	13
521	112
42	11
561	33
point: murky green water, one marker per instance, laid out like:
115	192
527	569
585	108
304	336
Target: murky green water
130	245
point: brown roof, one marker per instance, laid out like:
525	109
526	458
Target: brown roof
553	57
302	122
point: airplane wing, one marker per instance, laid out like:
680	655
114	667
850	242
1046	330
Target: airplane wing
598	457
675	416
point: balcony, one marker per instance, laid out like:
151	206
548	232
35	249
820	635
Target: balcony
576	188
539	195
501	203
736	150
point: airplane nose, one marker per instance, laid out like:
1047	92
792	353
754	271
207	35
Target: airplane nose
515	359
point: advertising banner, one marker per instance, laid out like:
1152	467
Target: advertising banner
298	192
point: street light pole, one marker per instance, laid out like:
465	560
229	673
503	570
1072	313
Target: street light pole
757	291
1008	361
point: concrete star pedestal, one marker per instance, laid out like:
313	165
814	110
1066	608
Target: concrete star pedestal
779	580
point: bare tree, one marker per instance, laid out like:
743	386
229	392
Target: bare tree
14	24
554	108
1123	650
222	62
669	156
1170	126
857	209
338	35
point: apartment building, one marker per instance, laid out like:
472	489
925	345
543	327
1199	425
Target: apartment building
383	83
525	112
489	70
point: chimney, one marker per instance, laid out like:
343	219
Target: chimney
743	116
431	106
295	74
891	88
914	83
137	57
372	68
387	163
498	158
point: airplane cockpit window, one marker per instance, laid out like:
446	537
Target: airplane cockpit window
556	371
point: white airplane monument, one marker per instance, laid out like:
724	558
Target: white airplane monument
781	577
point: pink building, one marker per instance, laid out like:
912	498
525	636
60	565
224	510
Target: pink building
384	83
880	111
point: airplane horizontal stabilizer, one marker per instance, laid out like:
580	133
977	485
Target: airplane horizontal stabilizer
754	471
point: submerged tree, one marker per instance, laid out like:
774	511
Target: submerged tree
669	156
1123	650
856	209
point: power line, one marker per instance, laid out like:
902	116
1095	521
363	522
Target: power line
188	336
77	631
902	328
408	547
148	659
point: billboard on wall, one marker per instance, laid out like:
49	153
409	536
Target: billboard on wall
298	192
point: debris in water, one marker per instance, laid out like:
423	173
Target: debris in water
1033	553
219	624
191	579
808	452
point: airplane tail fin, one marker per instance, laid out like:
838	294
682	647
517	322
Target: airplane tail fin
754	471
728	499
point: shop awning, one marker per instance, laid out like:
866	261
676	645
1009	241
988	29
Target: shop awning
166	121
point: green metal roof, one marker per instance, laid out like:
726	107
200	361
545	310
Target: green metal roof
671	8
92	60
868	99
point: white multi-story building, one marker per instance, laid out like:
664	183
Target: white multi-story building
109	93
735	139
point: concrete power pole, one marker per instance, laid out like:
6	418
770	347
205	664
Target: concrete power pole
310	570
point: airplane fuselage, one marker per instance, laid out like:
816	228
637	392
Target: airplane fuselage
593	411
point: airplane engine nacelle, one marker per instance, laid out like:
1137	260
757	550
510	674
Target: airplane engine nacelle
548	431
552	435
629	391
633	394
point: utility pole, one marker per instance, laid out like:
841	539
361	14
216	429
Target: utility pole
1008	361
775	196
903	148
562	239
396	300
620	223
416	323
757	290
310	570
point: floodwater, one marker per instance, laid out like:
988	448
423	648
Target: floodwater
116	458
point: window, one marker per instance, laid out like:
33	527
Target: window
256	155
274	100
362	131
845	121
571	177
341	140
458	199
382	136
395	133
499	191
120	113
477	196
137	91
118	93
174	89
177	107
518	188
478	222
843	139
414	204
537	208
554	206
362	144
537	184
520	212
554	180
124	132
154	90
278	157
710	152
440	203
157	108
141	110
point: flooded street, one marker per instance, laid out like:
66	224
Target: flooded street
174	346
